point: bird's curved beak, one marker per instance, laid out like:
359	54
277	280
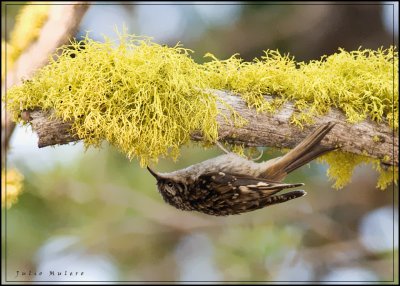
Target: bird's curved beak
155	175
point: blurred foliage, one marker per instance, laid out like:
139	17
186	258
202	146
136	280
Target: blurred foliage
28	24
111	206
11	180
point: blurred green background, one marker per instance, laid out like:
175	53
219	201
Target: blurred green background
96	212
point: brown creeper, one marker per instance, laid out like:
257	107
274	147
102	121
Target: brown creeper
230	184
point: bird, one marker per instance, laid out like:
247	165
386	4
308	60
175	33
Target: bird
230	184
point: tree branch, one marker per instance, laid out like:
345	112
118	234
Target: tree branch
62	24
263	129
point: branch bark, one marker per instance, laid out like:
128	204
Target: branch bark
263	129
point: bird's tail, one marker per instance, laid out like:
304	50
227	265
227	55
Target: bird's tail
309	149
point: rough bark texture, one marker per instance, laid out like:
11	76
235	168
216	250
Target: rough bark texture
263	129
51	131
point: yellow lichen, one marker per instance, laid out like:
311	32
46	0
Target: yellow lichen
342	165
361	83
11	187
146	99
386	176
28	23
247	152
142	97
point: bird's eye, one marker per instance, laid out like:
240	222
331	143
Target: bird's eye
170	184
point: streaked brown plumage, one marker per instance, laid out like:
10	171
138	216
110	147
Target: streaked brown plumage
230	184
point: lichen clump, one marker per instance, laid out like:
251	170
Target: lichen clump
142	97
146	98
342	165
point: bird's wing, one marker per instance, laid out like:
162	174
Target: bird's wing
235	193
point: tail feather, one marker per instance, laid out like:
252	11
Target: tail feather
309	149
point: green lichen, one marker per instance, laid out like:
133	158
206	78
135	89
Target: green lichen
146	99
